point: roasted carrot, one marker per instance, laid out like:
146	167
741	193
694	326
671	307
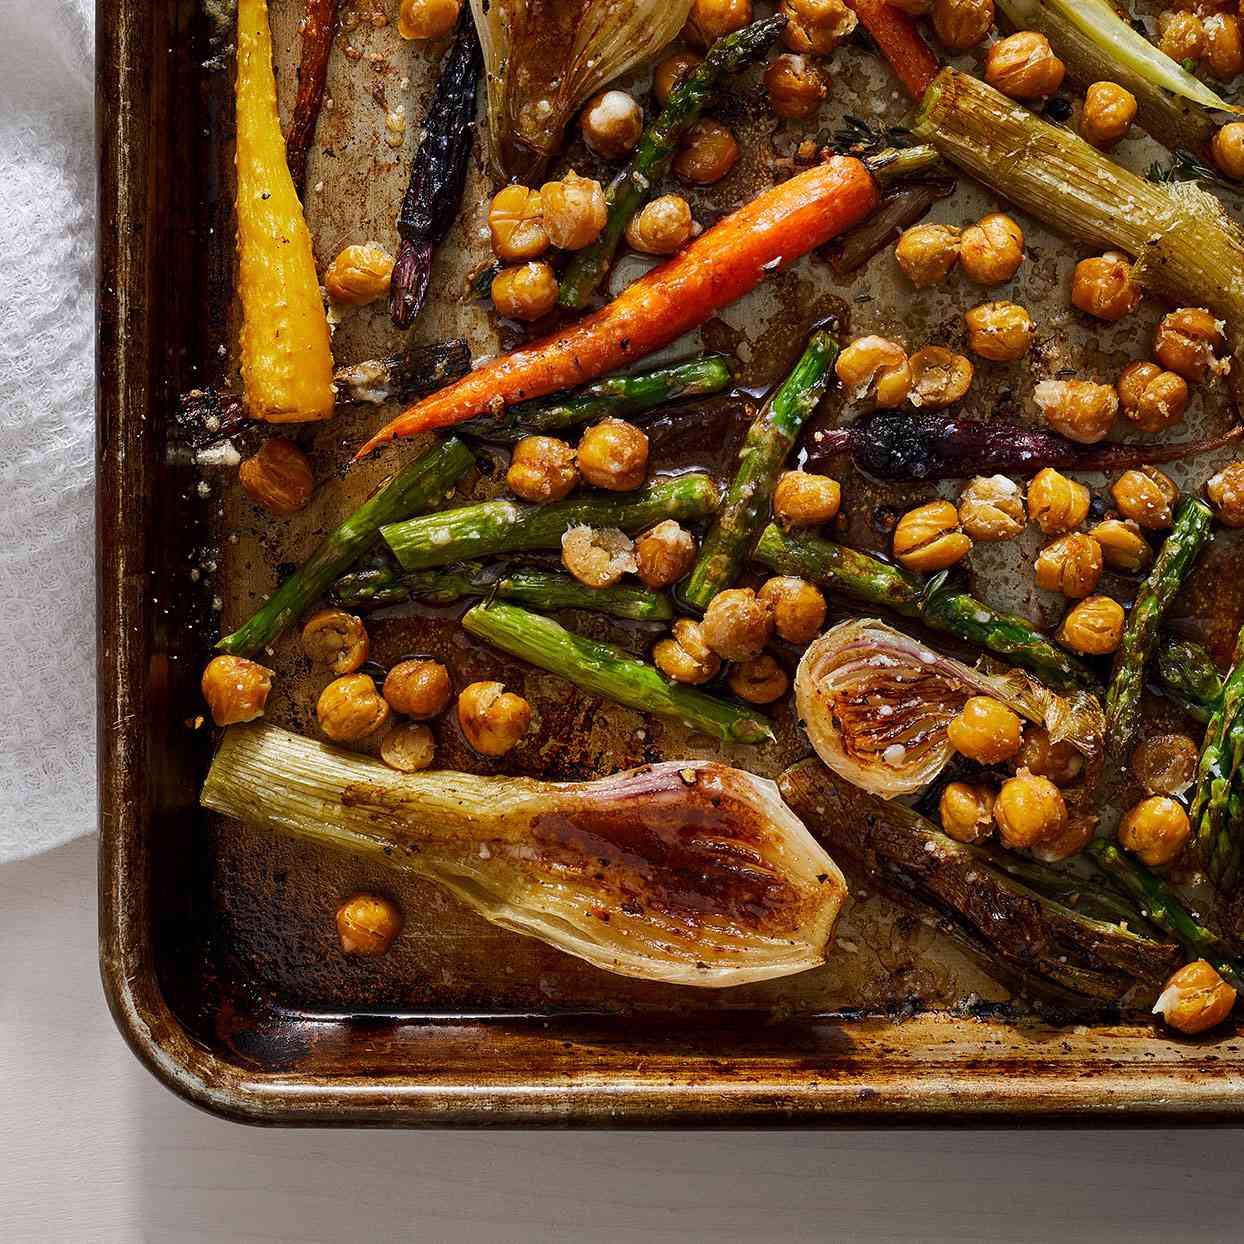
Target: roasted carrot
317	44
900	43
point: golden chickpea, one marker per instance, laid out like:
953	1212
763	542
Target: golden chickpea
526	292
966	811
877	366
816	27
1081	829
985	730
1187	341
1072	564
235	689
278	477
1155	830
928	538
1103	287
598	557
737	624
418	688
710	19
927	253
991	251
664	554
962	24
359	275
1147	497
542	469
991	508
1165	764
660	227
335	639
1023	66
1195	999
1224	49
1059	761
1109	111
350	708
1228	149
684	656
1123	548
409	747
1080	410
427	19
796	86
758	681
1094	627
1151	398
802	499
612	123
516	225
1181	36
367	924
1225	491
939	378
1029	810
798	608
574	211
670	72
1056	503
493	719
1001	332
709	151
613	454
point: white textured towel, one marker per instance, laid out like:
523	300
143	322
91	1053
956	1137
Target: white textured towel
47	266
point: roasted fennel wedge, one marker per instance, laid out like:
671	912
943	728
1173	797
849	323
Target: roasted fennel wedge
689	873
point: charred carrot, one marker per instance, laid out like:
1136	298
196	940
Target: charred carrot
317	44
721	265
895	34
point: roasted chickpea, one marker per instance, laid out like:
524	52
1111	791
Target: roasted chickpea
1056	503
418	688
1228	148
1072	565
1109	111
664	554
991	508
612	122
670	72
409	747
1081	829
366	923
235	689
737	624
660	227
598	557
1103	287
1147	497
710	19
684	656
542	469
1023	66
985	730
1224	49
939	378
1001	332
350	708
1080	410
758	681
574	211
816	27
1029	810
962	24
1195	999
493	719
613	454
1187	342
1093	627
526	292
991	251
796	86
1123	548
359	274
1155	830
966	811
278	477
1181	36
802	499
335	639
928	538
798	608
1165	764
709	151
1225	491
927	253
1151	398
1059	761
877	366
516	225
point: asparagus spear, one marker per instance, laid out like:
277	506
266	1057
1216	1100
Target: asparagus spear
507	527
769	441
1217	769
1187	674
606	671
633	185
617	397
874	582
376	586
419	485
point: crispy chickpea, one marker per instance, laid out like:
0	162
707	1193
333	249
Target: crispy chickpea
418	688
1155	830
1056	503
516	225
928	538
1023	66
1103	287
598	557
670	72
1195	999
927	253
235	689
1109	111
1225	491
1228	149
991	508
796	86
1028	810
798	608
408	747
1001	332
939	378
359	274
1151	398
1072	565
877	366
1081	410
985	730
350	708
1147	497
966	811
737	624
664	554
962	24
542	469
335	639
1165	764
367	924
278	477
1080	831
611	123
802	499
710	19
816	27
613	454
1059	761
526	292
1123	548
493	719
684	656
574	211
1187	341
1224	49
991	251
1181	36
1093	627
758	681
660	227
708	152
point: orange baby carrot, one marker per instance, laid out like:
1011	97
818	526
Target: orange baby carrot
900	43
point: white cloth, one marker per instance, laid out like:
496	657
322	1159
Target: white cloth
47	266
